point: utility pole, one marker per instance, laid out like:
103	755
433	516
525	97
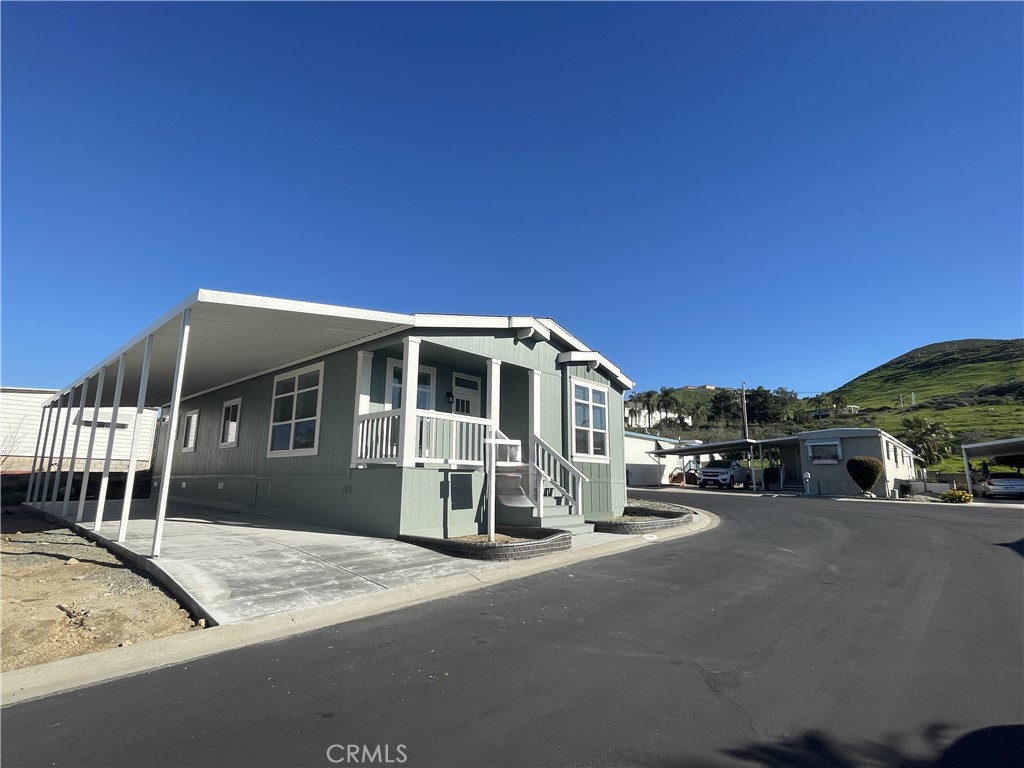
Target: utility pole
743	400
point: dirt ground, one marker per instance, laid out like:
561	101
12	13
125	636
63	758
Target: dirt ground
64	596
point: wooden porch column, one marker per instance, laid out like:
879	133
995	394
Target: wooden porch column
494	391
172	428
133	461
100	380
74	447
364	369
101	498
410	387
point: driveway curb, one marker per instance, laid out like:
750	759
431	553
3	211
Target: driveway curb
29	683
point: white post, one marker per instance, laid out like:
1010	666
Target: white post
36	463
101	498
364	368
760	457
172	428
410	387
133	460
536	482
494	392
967	471
74	447
63	447
49	455
97	400
492	469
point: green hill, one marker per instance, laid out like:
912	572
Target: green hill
939	370
973	387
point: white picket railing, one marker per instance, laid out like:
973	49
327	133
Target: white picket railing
450	438
377	436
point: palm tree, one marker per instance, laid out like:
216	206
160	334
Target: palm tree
699	414
930	440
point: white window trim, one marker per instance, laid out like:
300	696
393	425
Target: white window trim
839	451
390	377
185	447
589	457
227	404
294	374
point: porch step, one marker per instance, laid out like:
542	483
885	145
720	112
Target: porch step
525	518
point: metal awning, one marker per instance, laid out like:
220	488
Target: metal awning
234	337
707	448
991	449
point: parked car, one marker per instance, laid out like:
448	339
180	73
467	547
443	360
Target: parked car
724	474
1002	484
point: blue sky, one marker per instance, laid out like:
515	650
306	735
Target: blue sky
782	194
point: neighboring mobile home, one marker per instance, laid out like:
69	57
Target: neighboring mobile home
20	411
646	468
305	411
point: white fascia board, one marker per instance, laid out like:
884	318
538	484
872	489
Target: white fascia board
482	322
563	334
599	360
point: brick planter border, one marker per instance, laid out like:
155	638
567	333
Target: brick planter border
624	526
544	542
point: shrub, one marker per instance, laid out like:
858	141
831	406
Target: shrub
906	490
956	496
772	475
865	471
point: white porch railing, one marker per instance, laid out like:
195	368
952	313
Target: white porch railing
441	438
450	438
550	467
377	436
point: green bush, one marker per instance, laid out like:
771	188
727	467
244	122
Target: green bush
772	475
956	496
906	490
865	471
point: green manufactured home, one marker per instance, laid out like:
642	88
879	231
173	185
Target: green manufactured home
307	412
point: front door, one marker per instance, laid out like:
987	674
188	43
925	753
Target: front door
466	390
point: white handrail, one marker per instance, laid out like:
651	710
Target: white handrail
560	459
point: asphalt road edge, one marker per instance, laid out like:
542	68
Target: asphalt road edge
29	683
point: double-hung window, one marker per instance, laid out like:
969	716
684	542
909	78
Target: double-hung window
424	386
295	412
229	423
590	419
191	431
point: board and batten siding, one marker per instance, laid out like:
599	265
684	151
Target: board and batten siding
20	411
321	489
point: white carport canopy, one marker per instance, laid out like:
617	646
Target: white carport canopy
210	340
1009	447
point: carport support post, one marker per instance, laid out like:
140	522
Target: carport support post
100	380
63	447
133	460
760	458
101	498
34	477
74	447
49	455
967	471
172	428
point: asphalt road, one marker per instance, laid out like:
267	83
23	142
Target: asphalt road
798	632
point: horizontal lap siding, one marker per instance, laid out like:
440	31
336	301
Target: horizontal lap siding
605	494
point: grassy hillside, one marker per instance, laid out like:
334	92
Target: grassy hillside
945	369
973	387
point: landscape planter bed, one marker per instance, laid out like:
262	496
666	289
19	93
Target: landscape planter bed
624	525
543	541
